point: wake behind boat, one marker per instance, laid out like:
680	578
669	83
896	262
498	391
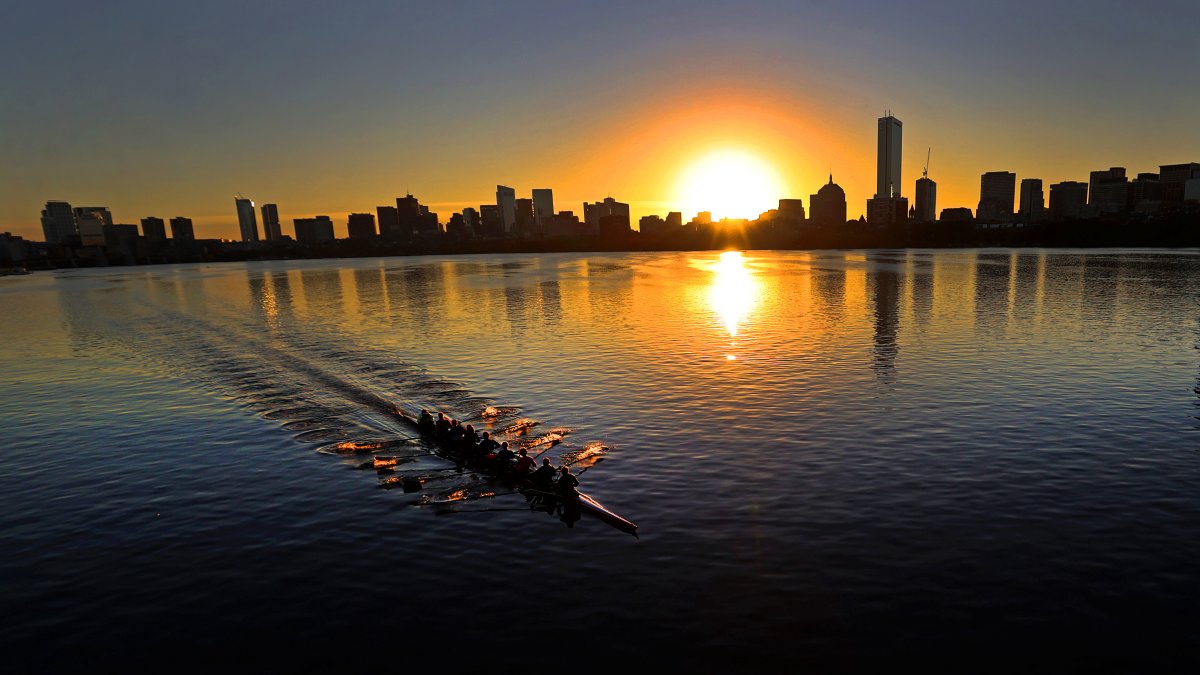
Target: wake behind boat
547	496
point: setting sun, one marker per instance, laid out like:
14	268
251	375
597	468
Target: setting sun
730	184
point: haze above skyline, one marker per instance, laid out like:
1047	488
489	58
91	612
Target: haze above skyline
164	110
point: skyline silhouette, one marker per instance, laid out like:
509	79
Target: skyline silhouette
618	100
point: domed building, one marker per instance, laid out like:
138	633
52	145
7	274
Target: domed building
827	208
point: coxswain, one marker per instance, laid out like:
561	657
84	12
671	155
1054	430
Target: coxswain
543	478
425	422
567	482
524	463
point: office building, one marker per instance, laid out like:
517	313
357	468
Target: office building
389	222
997	191
58	223
491	221
90	225
1068	200
925	201
1032	202
828	206
247	221
957	214
100	212
1174	178
674	220
154	229
791	210
271	228
360	226
543	208
506	199
652	226
471	222
887	173
887	211
1108	190
313	231
610	211
525	224
565	224
182	229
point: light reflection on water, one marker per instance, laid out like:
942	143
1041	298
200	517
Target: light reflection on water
831	454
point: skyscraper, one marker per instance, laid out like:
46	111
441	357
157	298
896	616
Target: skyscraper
997	189
887	182
247	222
182	230
58	222
1068	199
389	222
154	229
925	208
506	199
271	229
543	208
313	231
1033	202
360	226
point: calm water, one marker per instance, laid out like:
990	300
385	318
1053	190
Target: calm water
967	459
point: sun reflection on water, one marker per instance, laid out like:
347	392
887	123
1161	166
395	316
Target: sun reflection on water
733	294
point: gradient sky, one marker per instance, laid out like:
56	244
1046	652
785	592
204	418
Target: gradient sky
159	108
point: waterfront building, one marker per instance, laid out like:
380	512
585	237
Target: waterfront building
58	222
154	229
271	229
182	229
471	222
887	173
997	191
887	211
1174	179
543	208
674	220
957	214
247	222
1033	201
1068	200
313	231
90	225
506	199
925	208
616	213
389	222
828	206
526	218
491	221
360	226
791	210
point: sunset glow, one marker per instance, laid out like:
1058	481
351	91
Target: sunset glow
730	184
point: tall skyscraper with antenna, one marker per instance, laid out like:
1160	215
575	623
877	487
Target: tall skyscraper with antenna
890	146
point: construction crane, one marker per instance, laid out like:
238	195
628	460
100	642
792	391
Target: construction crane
925	173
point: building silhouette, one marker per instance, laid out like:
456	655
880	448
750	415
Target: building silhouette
1032	203
607	218
506	199
887	207
957	214
389	222
1174	179
791	210
313	231
182	229
360	226
90	224
58	223
925	208
247	222
887	172
1068	200
154	229
828	206
1108	190
543	208
491	221
674	220
997	190
470	219
271	228
526	223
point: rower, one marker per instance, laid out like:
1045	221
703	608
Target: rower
487	446
456	431
543	478
524	463
441	426
425	422
504	456
567	482
470	439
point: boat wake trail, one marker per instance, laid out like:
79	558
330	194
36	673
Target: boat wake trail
331	393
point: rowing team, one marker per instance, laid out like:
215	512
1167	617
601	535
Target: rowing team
482	446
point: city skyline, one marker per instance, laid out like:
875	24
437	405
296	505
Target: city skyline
158	137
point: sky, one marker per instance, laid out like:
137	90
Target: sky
167	109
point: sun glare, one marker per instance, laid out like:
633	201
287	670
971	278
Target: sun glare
730	184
